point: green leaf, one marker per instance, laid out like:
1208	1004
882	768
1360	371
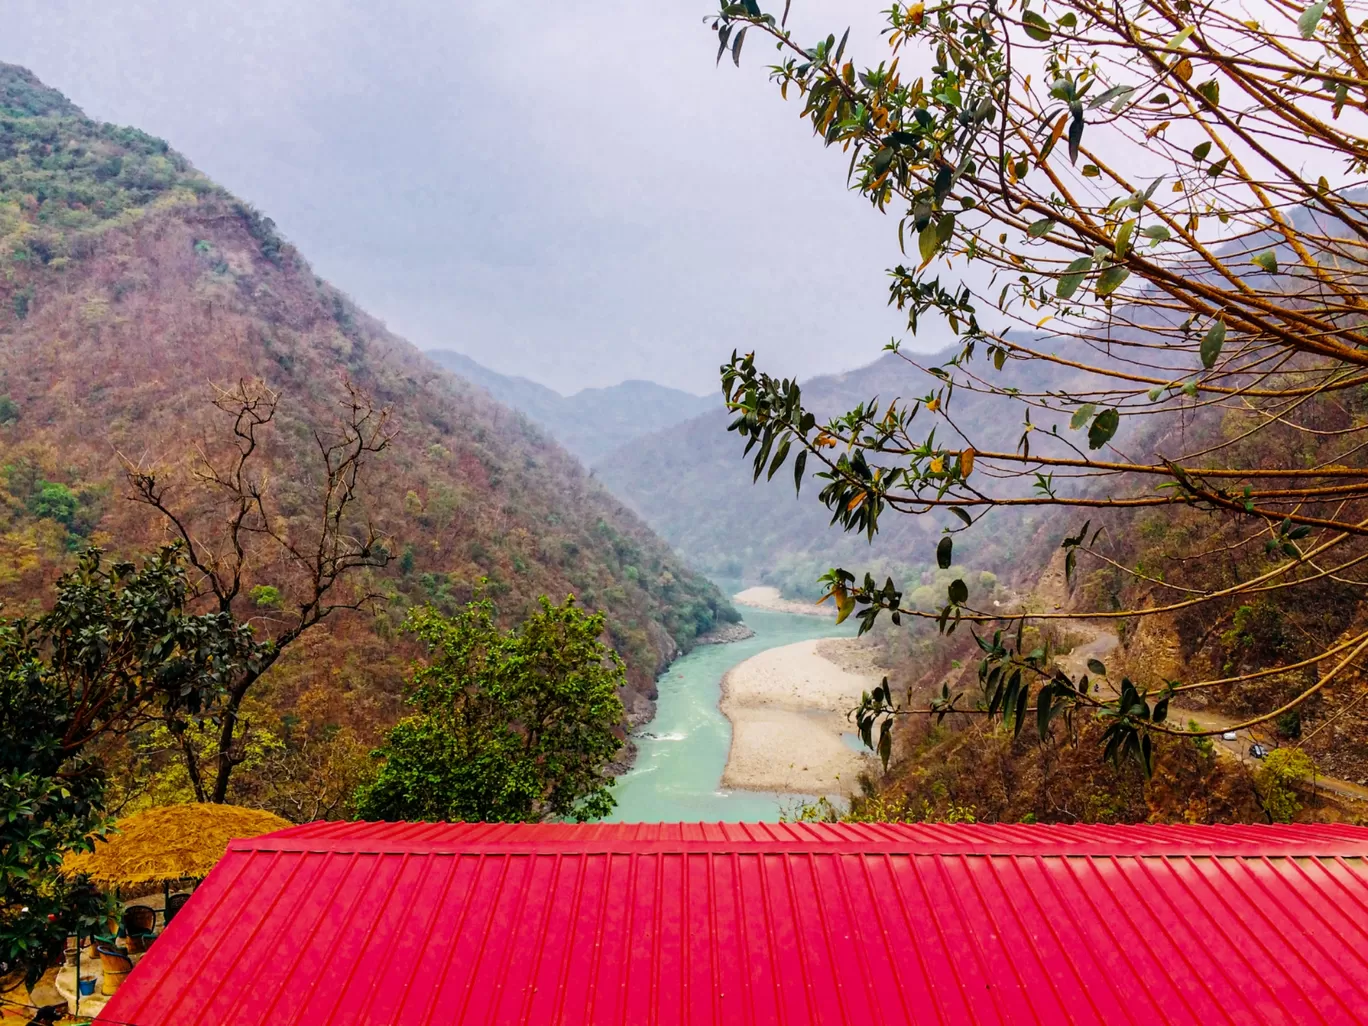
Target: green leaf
1041	228
1123	237
1019	717
1044	699
1212	342
1073	277
1110	94
1217	169
1104	425
944	551
1037	27
798	466
1310	18
1075	134
1096	667
1179	39
958	592
1110	279
1081	416
1069	21
1200	151
736	47
1122	99
779	458
1211	92
1268	261
1157	233
927	242
945	230
885	742
968	520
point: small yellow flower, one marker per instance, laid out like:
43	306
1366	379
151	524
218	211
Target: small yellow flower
938	465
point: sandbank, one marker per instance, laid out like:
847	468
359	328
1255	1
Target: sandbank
771	599
788	708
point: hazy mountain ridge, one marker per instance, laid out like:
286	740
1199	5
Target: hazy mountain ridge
694	487
135	284
593	421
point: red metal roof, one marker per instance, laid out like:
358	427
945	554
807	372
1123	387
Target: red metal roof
415	924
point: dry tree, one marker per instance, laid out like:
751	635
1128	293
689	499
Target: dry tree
236	529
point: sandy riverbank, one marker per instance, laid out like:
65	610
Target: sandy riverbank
770	598
788	708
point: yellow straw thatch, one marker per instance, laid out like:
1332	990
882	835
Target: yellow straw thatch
177	842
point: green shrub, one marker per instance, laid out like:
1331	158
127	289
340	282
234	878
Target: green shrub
509	726
1277	778
51	500
265	596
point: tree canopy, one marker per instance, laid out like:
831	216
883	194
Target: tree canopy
511	726
1159	204
117	649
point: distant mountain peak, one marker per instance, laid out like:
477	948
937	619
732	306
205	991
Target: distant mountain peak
593	421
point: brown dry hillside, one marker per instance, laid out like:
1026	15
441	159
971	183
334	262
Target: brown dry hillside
133	286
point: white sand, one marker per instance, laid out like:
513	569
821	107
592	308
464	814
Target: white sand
788	708
770	598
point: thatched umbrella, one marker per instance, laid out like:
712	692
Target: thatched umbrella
176	842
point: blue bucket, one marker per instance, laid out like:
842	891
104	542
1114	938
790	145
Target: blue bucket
86	985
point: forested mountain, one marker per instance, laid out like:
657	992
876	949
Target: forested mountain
134	287
593	421
692	485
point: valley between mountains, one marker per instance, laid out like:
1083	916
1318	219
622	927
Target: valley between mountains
139	297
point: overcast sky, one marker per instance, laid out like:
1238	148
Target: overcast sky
570	191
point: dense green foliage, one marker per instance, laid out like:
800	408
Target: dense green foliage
63	177
511	726
117	648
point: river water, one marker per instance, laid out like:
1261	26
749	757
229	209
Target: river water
682	752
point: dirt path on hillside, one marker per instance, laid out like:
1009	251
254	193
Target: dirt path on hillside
1099	640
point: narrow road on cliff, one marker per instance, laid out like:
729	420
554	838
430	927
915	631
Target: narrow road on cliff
1099	640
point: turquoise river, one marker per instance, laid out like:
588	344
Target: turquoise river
682	752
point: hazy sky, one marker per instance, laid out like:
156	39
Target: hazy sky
569	191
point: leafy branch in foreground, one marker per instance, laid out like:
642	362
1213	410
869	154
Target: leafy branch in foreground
1123	190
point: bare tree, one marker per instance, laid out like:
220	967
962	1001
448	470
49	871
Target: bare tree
242	530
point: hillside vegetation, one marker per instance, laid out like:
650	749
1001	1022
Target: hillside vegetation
133	288
688	483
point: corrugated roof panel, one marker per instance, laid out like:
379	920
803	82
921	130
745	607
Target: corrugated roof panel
416	925
944	838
